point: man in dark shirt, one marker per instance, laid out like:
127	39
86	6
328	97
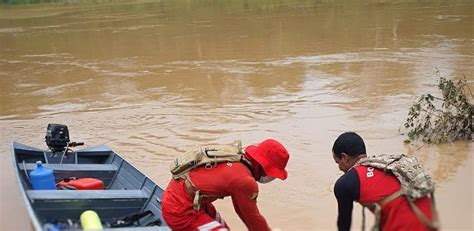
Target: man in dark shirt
368	185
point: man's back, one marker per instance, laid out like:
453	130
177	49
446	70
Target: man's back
222	179
376	185
187	200
231	179
368	185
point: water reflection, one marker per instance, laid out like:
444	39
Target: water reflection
442	160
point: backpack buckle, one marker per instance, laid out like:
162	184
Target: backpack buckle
208	166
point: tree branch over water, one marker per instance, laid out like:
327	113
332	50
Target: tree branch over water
445	118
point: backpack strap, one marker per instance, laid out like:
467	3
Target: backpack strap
247	164
434	224
193	191
377	207
434	211
392	197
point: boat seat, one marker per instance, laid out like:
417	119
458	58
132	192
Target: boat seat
71	203
72	167
35	195
104	172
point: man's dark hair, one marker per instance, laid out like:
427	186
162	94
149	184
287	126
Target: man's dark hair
349	143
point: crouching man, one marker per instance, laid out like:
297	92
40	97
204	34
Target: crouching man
218	173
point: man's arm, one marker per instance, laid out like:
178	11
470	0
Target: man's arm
346	191
244	192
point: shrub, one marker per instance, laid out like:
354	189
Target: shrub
442	119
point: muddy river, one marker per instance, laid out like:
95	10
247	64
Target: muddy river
151	79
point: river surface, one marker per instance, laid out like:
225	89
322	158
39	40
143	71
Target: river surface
151	79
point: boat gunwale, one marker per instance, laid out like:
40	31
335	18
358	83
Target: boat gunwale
33	218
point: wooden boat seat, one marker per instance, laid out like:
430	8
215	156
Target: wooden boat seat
71	203
104	172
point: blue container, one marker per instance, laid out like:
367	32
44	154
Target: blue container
42	178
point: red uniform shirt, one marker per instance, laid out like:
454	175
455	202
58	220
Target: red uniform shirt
367	186
225	179
375	185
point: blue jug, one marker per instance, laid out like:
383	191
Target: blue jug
42	178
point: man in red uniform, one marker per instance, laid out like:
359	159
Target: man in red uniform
368	185
262	163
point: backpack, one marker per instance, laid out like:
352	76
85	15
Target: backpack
415	183
207	156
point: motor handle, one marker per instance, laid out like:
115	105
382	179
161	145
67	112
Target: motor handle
75	144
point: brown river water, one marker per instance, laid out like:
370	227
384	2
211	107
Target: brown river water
151	79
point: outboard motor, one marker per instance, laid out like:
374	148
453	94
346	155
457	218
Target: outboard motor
57	137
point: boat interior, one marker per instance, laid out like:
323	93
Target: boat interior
127	192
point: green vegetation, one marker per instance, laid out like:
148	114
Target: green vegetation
442	119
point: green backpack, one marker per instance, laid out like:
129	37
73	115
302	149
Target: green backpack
415	183
207	156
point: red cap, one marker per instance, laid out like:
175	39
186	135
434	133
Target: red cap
272	156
